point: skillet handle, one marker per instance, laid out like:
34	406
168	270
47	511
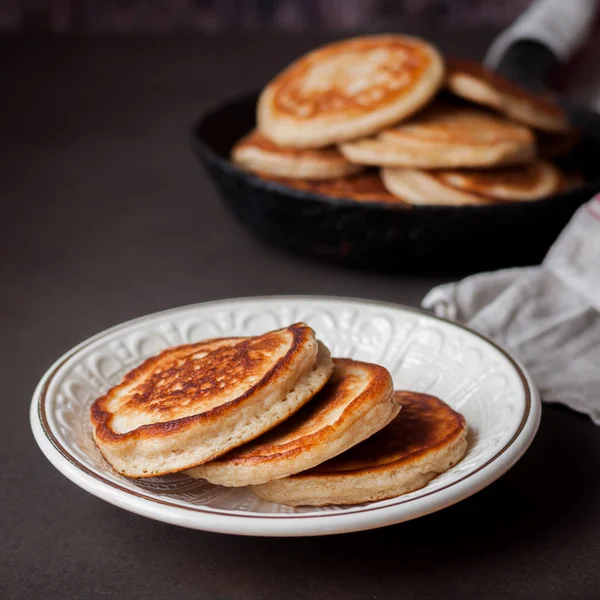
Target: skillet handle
548	33
528	63
545	36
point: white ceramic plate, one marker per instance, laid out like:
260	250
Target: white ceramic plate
423	353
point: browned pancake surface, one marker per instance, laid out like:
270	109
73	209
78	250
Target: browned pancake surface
255	139
363	187
193	381
457	66
353	77
328	411
512	180
424	424
448	124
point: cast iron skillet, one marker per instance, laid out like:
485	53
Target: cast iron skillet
418	239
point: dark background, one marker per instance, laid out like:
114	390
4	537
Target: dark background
102	16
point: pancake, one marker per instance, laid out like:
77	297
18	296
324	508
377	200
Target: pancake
256	153
446	137
472	81
357	401
475	186
349	89
422	188
529	182
424	440
192	403
364	187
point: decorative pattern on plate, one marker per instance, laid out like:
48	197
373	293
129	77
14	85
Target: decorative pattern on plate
423	354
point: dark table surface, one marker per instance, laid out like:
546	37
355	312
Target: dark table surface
106	216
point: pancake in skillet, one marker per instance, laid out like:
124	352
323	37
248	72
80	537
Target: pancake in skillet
536	180
349	89
424	440
474	82
357	401
423	188
363	187
446	136
192	403
475	186
256	153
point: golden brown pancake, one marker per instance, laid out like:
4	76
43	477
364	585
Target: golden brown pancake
446	136
424	440
192	403
458	187
424	188
528	182
258	154
349	89
472	81
357	401
364	187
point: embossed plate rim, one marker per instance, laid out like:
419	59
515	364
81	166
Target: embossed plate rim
344	520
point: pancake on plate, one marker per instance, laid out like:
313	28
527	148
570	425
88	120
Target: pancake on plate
364	187
256	153
446	136
475	186
472	81
424	440
357	401
192	403
349	89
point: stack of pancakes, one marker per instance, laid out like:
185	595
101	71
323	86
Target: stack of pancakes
386	119
275	412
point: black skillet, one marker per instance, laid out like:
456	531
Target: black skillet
418	239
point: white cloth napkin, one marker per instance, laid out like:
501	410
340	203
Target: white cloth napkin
547	316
